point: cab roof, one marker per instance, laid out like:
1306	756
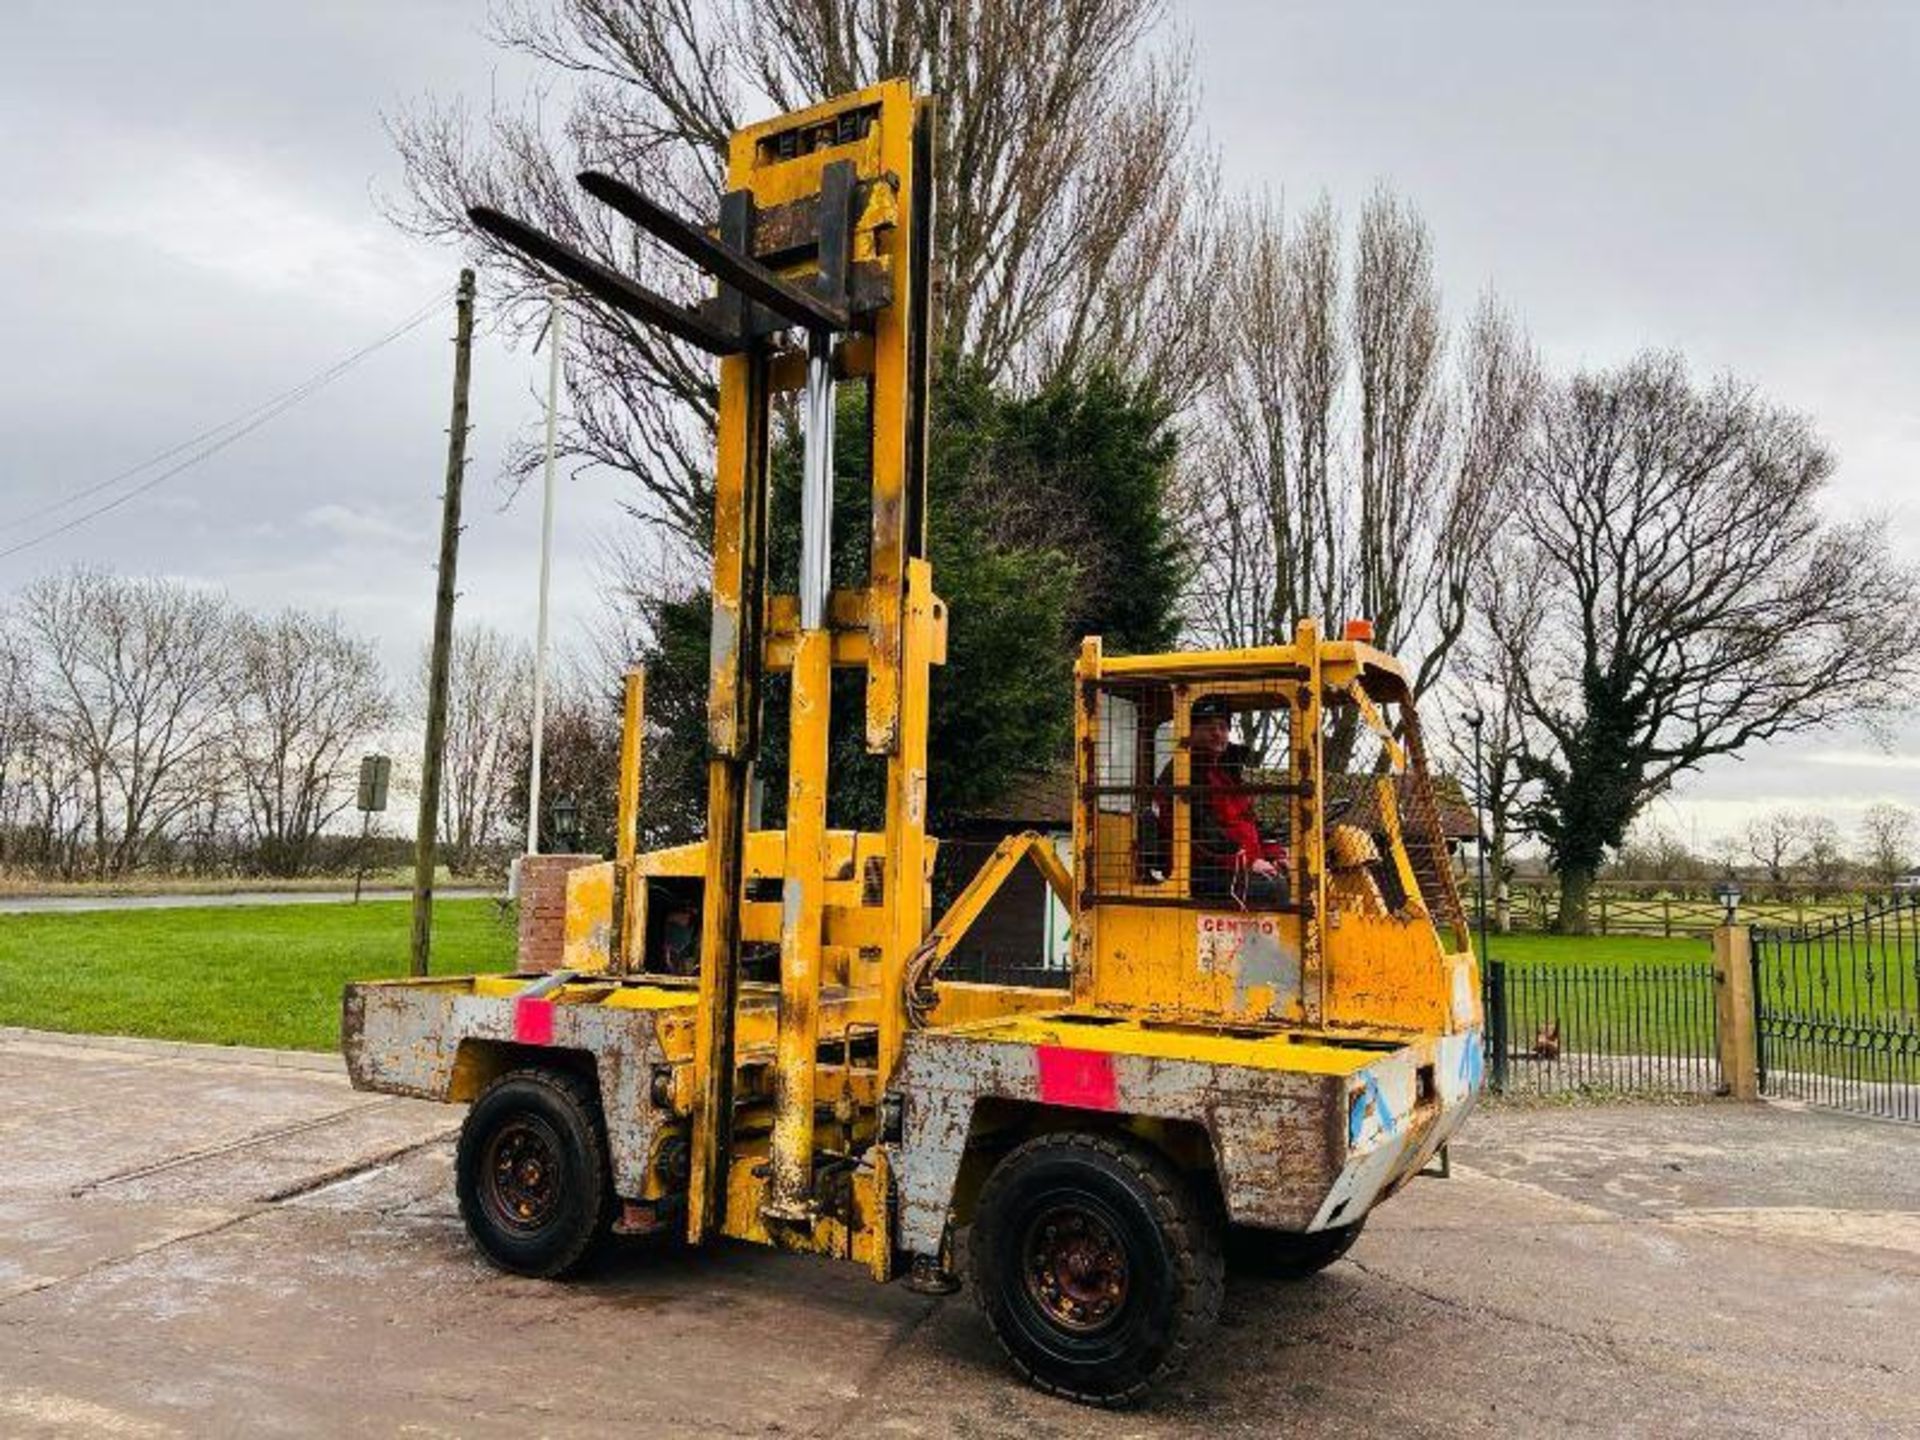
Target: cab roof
1340	661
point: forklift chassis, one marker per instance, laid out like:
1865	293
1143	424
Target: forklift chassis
1243	1056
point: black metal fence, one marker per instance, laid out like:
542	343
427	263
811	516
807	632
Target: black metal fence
1627	1028
1837	1010
1623	1029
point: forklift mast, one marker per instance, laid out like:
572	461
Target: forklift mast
821	270
841	191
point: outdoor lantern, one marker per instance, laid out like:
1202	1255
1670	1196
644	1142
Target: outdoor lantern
1727	892
566	821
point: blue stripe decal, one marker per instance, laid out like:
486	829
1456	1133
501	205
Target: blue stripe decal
1473	1060
1370	1096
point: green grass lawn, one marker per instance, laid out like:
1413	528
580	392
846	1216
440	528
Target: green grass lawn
255	975
1626	995
1597	949
1879	981
1608	994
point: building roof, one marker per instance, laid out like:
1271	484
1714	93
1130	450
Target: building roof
1037	800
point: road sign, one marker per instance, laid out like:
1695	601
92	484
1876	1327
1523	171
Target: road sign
374	770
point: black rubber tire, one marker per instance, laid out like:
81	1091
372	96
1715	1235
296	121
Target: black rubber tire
1174	1272
1284	1255
554	1119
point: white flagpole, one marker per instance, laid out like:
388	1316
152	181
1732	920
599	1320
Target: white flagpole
555	294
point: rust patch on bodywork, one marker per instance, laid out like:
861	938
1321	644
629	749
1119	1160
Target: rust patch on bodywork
1289	1147
1273	1147
419	1038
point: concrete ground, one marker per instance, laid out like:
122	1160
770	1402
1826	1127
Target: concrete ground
199	1243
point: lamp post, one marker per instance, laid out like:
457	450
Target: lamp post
1493	978
1475	722
1728	893
566	822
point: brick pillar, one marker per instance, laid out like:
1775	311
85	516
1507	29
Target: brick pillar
543	908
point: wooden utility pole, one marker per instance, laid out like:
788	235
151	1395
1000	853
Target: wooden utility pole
428	833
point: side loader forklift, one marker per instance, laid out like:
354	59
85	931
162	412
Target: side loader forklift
1255	1047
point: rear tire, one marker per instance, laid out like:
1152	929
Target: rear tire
1286	1255
1097	1266
531	1172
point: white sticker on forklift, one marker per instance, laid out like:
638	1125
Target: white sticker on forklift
1224	939
1251	949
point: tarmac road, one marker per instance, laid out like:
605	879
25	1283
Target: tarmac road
196	1242
63	904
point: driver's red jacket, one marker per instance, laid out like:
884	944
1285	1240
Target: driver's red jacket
1226	829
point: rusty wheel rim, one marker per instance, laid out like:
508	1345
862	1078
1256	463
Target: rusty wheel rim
1075	1268
521	1179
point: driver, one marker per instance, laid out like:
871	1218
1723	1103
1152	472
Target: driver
1230	858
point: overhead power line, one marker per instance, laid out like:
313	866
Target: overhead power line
207	443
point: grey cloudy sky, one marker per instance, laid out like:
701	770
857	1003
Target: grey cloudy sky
192	228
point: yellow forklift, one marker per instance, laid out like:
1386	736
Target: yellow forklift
1272	1018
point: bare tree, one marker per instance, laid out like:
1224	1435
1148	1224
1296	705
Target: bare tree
55	815
1219	511
1726	852
1653	852
580	760
1496	646
1067	145
1266	520
40	799
1822	858
489	711
209	835
1693	601
1376	470
1497	387
303	697
17	722
655	613
1773	839
1397	349
1437	460
1886	841
133	672
79	730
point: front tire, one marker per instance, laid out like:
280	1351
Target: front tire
531	1172
1098	1268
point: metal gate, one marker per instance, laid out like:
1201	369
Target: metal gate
1606	1029
1837	1010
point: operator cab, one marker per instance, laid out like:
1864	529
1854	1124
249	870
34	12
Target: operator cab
1257	814
1179	832
1161	836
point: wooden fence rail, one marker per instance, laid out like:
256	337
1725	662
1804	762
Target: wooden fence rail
1674	907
